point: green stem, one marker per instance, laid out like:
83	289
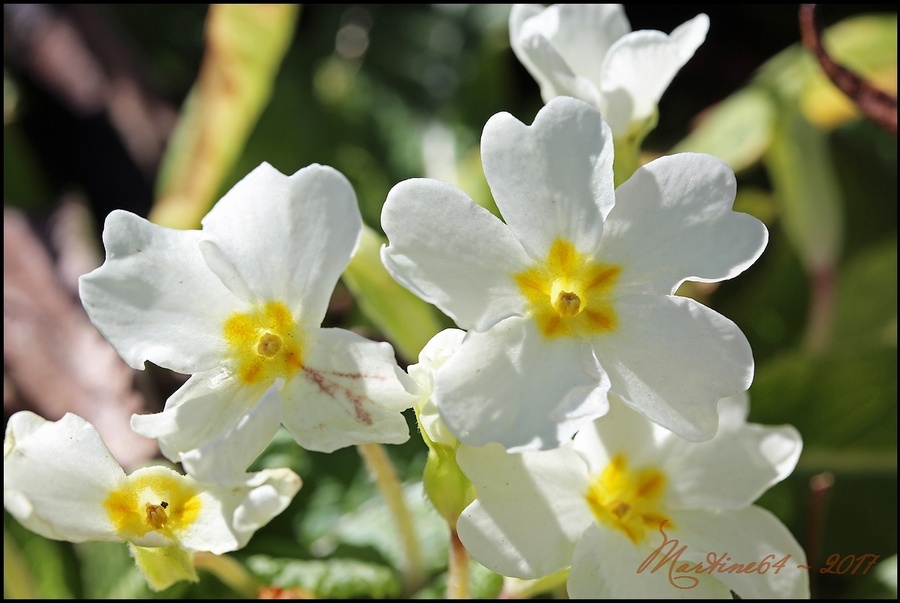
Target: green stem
514	588
818	328
458	569
382	471
626	160
230	572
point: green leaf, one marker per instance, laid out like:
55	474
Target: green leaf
738	130
405	319
245	44
800	166
371	526
838	401
866	306
18	581
331	579
47	568
109	572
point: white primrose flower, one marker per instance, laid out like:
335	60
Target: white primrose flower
589	52
61	481
636	511
445	486
572	297
239	306
433	355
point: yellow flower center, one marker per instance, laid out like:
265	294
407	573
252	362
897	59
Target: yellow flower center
568	294
264	343
629	501
152	499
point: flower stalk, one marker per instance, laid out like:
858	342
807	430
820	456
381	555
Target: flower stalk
382	471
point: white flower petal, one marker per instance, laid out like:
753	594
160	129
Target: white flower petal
553	74
154	298
690	35
56	476
233	512
620	431
706	472
733	412
551	179
581	33
205	412
672	359
529	512
518	14
435	353
234	450
673	221
452	253
270	493
640	66
513	386
563	46
288	237
744	536
606	565
350	391
211	530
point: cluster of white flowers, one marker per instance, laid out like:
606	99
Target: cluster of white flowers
597	414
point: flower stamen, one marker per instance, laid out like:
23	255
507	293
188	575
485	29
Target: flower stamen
153	499
156	515
269	345
629	501
264	343
567	303
569	294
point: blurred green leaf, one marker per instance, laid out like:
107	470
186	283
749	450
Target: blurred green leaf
109	572
48	567
866	306
845	398
18	582
886	572
371	526
406	320
245	44
836	401
800	166
738	130
331	579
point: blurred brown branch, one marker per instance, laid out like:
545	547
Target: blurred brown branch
54	360
874	104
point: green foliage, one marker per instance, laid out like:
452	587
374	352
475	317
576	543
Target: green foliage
333	579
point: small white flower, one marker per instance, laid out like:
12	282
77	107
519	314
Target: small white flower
572	296
445	485
239	306
435	353
61	481
606	503
589	52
